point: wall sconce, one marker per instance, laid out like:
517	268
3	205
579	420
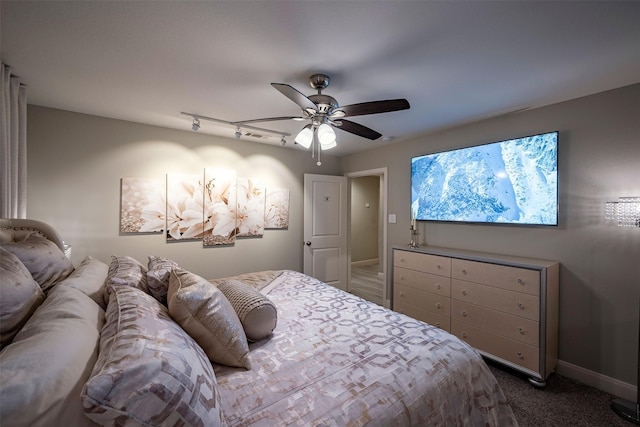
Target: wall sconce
625	212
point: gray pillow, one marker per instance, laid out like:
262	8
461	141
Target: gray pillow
256	312
149	371
204	312
20	295
158	277
125	271
89	277
43	370
45	261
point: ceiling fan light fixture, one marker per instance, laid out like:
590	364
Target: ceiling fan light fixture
326	136
305	137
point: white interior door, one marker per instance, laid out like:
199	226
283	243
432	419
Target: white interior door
325	228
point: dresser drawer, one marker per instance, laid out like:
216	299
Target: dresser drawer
425	300
501	276
422	262
515	303
508	325
513	351
424	281
442	322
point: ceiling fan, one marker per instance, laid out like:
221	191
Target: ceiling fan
324	112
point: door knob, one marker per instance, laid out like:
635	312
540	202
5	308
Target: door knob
308	243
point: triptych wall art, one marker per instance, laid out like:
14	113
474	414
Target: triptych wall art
215	207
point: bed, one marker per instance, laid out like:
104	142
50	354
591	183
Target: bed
328	358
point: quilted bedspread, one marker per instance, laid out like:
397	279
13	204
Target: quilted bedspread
337	360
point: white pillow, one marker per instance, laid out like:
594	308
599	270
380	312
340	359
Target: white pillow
89	277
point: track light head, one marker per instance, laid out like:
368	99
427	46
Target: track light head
283	141
238	133
196	124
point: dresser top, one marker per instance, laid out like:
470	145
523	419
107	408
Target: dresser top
481	256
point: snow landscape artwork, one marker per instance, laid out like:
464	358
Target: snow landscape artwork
509	182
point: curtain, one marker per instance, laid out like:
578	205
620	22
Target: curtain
13	152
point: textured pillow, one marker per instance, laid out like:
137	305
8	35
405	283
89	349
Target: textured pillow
125	271
256	312
20	295
43	370
204	312
89	277
149	372
43	258
158	277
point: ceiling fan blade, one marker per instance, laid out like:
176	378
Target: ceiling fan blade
356	129
374	107
296	96
266	119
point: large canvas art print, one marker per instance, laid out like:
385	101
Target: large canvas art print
185	211
219	207
142	205
251	203
276	213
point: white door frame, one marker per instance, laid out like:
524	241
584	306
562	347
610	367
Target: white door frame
381	172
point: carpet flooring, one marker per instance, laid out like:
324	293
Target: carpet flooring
562	403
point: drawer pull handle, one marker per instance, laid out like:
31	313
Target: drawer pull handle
401	277
438	305
520	281
464	335
521	330
520	306
439	267
438	286
464	271
438	324
519	354
464	292
401	294
464	314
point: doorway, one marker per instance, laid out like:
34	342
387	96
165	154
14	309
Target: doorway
367	243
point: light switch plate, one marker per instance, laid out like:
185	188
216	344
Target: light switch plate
392	218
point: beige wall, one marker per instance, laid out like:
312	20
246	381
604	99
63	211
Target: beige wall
76	162
599	149
365	195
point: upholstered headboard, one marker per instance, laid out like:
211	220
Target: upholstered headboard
17	226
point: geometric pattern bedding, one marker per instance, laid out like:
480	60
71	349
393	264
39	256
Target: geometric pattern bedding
337	360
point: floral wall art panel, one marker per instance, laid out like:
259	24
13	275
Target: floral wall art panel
219	207
251	205
142	205
276	213
185	212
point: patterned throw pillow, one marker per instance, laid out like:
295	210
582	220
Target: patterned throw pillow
43	258
125	271
256	312
158	277
20	295
149	371
204	312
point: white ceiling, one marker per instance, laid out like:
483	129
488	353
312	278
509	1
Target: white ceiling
455	61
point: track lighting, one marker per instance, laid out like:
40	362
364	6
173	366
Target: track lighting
238	133
196	124
283	141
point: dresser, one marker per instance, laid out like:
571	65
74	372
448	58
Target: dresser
506	307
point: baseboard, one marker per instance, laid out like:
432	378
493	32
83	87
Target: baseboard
601	382
365	262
